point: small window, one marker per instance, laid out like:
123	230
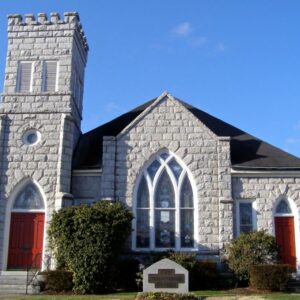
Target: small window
29	198
24	78
246	217
31	137
50	76
283	208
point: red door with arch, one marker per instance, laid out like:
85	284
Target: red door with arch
26	240
285	238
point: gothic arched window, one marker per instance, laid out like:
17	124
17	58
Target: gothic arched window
283	207
29	198
164	207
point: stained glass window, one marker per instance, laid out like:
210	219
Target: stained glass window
169	201
143	194
175	167
29	198
164	196
186	194
283	208
153	168
246	217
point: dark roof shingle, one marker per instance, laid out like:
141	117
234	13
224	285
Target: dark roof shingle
247	152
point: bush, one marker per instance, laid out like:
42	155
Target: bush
58	280
127	274
87	240
202	274
269	277
250	249
166	296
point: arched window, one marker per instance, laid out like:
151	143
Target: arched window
283	207
164	206
29	198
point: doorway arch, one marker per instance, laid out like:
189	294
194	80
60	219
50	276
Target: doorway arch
285	229
25	226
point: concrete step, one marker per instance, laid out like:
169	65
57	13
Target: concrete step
18	289
15	283
293	284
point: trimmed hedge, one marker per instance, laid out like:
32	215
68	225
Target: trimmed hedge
202	274
269	277
128	270
166	296
57	281
247	250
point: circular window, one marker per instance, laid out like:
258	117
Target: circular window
31	137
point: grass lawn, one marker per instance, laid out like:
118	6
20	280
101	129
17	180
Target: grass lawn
209	295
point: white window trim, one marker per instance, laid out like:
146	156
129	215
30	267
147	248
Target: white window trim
19	76
177	189
254	214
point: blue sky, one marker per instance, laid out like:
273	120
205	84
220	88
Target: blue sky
237	60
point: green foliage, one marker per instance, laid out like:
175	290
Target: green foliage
269	277
127	274
166	296
87	240
250	249
58	280
202	274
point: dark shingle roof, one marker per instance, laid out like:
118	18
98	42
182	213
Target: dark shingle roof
247	152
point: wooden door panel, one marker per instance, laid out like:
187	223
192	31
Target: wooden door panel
26	240
285	237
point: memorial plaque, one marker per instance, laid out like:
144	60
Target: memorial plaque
165	276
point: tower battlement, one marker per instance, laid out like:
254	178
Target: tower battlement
29	22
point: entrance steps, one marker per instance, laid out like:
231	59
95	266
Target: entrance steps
294	284
15	282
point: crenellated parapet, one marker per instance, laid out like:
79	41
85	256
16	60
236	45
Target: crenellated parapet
41	22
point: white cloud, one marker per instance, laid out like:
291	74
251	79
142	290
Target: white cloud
297	126
292	141
198	41
111	107
220	47
182	30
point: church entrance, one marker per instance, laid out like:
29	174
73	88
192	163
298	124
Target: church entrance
285	233
285	238
26	241
26	229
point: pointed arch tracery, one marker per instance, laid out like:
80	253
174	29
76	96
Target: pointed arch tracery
165	206
28	198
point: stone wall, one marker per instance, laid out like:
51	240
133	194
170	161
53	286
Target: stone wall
86	188
266	192
168	125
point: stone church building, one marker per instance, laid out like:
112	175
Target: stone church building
192	181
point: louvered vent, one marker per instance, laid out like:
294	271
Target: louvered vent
50	76
24	77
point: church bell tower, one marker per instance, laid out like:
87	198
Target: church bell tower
40	118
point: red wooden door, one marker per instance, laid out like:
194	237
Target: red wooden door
285	237
26	240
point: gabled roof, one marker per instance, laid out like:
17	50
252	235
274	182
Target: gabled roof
247	151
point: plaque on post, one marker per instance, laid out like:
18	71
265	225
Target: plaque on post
166	276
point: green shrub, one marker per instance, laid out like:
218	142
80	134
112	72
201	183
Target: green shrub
202	274
250	249
57	280
87	240
127	274
269	277
166	296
